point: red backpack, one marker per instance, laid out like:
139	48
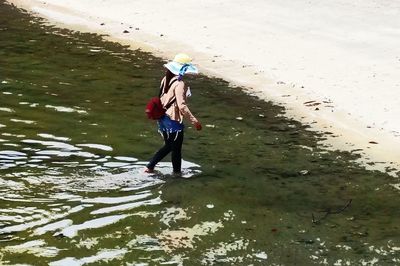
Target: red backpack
154	108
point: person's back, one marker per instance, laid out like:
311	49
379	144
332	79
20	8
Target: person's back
179	108
173	94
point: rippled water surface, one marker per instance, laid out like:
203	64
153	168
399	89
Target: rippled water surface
257	188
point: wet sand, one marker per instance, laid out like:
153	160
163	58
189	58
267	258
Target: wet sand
333	65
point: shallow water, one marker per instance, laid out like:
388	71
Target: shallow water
74	139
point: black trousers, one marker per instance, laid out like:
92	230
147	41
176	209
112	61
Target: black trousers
173	143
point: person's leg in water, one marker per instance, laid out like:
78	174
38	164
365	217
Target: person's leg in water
176	155
172	142
160	154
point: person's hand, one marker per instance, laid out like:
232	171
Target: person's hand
198	125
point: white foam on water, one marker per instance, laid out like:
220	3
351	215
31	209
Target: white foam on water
12	135
28	103
65	196
50	136
96	146
116	200
17	186
17	198
72	231
115	164
127	181
12	153
1	125
32	180
6	109
35	247
88	165
128	206
36	166
129	166
67	153
23	121
13	218
101	160
64	109
97	168
52	227
20	210
104	255
396	186
187	164
261	255
67	163
42	221
11	158
123	158
53	144
143	185
35	161
7	165
145	163
66	262
11	144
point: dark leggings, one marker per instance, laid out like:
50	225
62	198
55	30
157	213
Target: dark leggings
173	144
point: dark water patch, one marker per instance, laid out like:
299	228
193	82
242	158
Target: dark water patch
74	140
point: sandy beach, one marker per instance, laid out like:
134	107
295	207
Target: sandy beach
334	64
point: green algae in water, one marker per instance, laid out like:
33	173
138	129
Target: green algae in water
74	138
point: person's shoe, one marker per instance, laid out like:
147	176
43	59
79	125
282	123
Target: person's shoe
177	174
148	170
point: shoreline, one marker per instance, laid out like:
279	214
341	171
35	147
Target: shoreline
308	106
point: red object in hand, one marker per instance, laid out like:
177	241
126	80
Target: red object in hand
198	126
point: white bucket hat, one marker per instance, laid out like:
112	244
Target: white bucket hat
181	65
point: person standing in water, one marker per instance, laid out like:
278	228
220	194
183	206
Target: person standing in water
173	96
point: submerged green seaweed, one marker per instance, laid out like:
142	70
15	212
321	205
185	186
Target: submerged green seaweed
74	139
